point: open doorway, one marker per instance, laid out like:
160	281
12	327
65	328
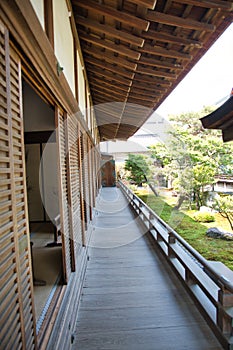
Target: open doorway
43	201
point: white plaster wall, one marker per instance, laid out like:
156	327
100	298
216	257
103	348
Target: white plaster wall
35	206
50	182
38	6
63	40
42	181
89	123
81	88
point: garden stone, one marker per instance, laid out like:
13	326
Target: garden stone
215	232
204	209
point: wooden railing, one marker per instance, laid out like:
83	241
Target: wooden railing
211	289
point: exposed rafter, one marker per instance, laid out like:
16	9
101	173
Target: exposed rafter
212	4
110	57
149	61
108	85
160	51
106	74
114	69
111	12
137	51
176	21
171	39
113	32
121	49
155	73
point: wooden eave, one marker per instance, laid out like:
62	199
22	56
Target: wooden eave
136	52
221	118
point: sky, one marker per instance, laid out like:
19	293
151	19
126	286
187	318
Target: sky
210	80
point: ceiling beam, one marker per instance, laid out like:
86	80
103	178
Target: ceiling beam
132	111
109	57
101	100
114	112
111	12
156	73
144	92
109	95
148	61
141	103
100	89
119	48
106	119
109	75
111	31
221	5
141	100
150	4
176	21
160	51
172	39
141	92
110	67
110	80
107	84
108	114
154	81
141	97
106	88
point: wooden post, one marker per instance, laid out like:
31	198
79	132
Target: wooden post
171	240
189	277
150	223
224	318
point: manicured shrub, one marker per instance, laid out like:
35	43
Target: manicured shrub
204	217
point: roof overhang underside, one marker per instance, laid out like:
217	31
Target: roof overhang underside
137	51
221	118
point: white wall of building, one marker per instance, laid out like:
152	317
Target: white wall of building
63	41
81	87
38	6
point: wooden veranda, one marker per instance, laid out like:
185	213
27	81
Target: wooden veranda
84	72
131	298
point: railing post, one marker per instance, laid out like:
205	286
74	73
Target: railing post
150	219
139	208
171	240
189	277
224	318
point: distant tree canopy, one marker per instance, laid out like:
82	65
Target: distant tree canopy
224	205
194	156
138	168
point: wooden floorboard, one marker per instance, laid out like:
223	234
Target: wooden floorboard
131	299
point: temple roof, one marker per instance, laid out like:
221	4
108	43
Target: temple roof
221	118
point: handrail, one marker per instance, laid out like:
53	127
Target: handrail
198	256
201	278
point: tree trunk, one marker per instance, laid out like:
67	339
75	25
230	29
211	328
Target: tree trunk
179	202
151	186
153	189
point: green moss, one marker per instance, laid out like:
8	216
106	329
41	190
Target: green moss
193	232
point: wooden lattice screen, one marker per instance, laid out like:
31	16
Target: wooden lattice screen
64	195
81	185
86	175
74	184
17	309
